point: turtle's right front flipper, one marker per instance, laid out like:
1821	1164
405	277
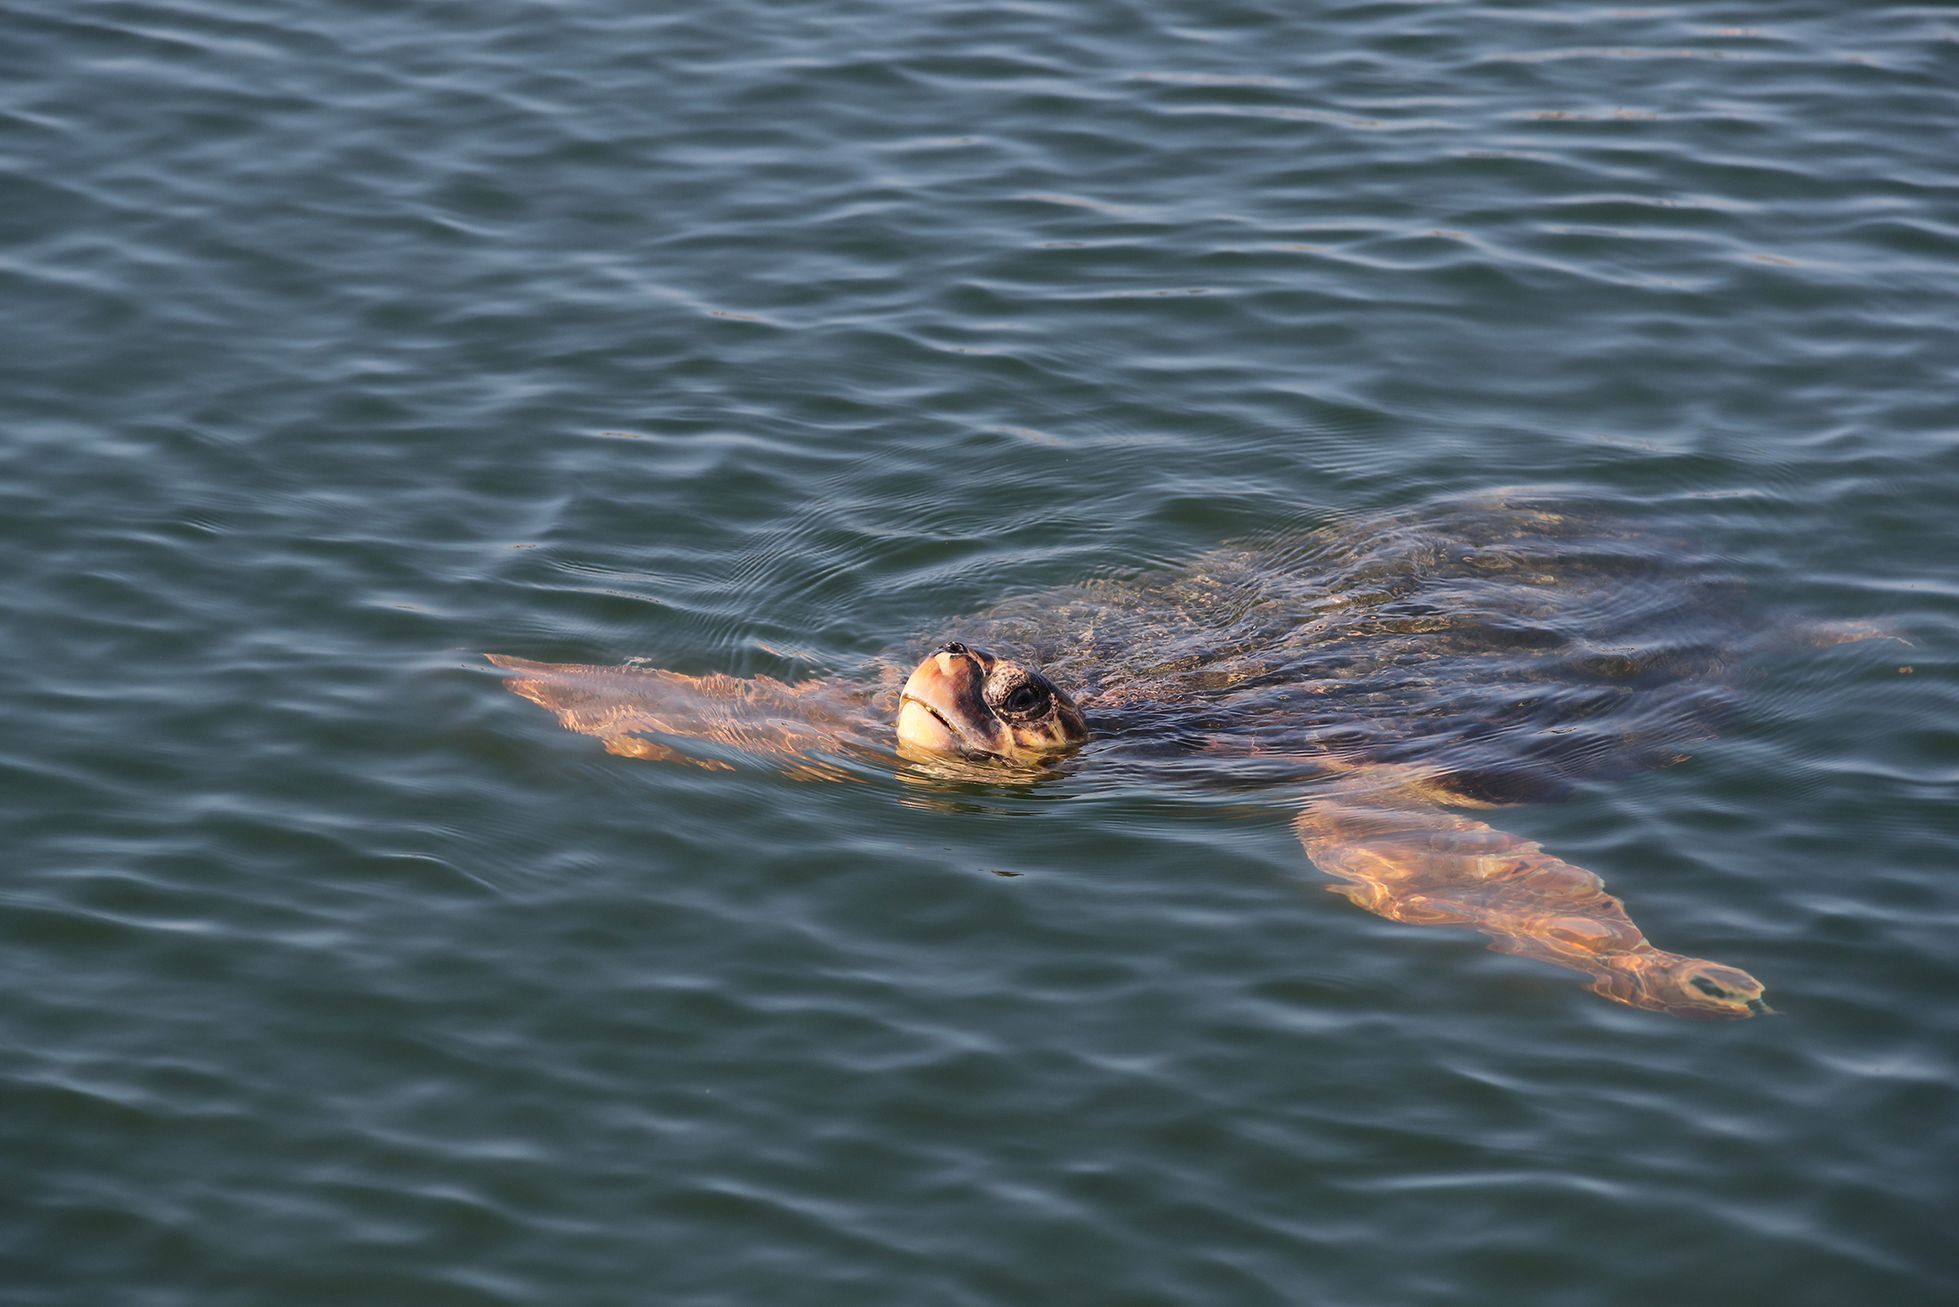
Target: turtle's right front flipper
645	712
1406	857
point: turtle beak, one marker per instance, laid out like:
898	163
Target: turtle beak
942	709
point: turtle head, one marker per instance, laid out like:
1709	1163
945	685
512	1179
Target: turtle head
969	703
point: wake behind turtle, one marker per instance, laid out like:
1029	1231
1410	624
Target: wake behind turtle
1385	678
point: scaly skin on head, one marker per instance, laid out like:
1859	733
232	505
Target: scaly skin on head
971	704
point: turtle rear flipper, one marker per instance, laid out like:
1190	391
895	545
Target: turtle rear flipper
1404	856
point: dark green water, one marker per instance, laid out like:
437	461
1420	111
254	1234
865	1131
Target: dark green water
343	341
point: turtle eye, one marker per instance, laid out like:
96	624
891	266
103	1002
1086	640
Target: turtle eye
1025	698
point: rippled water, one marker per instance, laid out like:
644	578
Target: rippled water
344	342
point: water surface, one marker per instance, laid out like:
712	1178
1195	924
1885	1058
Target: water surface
344	342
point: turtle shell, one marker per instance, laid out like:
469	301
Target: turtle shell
1509	645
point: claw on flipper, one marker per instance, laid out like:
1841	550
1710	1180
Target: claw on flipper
1691	987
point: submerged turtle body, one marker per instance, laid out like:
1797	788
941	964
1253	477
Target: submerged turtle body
1515	647
1383	675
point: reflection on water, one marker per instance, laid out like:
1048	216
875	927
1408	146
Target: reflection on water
1465	655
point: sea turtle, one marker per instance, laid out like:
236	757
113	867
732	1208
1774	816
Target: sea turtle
1387	675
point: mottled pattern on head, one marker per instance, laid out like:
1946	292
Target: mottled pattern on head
974	704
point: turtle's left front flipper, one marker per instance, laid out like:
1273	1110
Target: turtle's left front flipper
645	712
1405	856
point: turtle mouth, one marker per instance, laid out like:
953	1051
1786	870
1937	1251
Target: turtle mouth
952	728
945	699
